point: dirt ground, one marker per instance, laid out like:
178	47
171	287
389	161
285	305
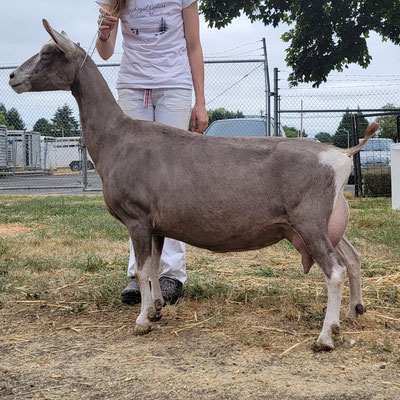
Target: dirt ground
49	353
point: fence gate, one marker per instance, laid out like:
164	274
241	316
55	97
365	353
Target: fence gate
371	166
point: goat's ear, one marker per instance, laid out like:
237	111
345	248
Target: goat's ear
66	45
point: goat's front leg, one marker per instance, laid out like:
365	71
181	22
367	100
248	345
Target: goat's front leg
157	246
142	244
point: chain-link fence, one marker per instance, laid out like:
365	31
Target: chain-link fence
41	146
339	117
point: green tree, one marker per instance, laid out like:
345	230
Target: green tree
222	113
64	122
43	126
388	124
3	119
323	137
323	35
14	119
292	132
3	116
343	136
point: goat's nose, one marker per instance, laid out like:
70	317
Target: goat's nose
12	75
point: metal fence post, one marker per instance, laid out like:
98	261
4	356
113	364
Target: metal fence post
267	90
84	162
356	160
276	102
398	129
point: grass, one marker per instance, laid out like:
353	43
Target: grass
68	251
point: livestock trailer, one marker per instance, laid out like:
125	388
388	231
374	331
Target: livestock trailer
69	153
48	152
3	147
23	150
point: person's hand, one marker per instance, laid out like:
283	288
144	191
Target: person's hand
199	118
107	25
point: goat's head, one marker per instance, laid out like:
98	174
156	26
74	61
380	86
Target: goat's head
53	68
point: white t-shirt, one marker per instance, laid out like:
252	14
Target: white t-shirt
155	54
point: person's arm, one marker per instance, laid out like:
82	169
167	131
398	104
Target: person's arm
107	36
195	53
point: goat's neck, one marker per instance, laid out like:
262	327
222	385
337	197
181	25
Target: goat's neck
99	111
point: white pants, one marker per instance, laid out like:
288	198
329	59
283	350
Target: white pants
171	106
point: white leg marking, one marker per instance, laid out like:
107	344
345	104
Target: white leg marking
331	322
143	324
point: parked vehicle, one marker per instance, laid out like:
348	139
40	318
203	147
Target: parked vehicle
239	127
77	165
68	153
376	153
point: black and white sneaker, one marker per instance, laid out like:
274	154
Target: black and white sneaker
171	289
131	294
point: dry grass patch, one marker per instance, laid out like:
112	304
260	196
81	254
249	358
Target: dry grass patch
13	229
74	265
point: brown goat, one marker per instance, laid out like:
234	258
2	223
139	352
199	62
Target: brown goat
222	194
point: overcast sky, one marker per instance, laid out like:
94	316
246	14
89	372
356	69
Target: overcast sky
22	34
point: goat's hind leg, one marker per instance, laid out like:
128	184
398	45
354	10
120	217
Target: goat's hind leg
321	250
351	258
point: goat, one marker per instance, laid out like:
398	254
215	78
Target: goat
221	194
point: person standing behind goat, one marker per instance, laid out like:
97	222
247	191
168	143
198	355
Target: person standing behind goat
162	60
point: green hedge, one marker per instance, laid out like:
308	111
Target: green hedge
377	182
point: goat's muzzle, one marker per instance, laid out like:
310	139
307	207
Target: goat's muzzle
19	82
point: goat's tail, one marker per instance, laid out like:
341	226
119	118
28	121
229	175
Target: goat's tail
369	132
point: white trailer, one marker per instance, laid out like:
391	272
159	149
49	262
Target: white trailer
3	147
23	150
48	152
68	153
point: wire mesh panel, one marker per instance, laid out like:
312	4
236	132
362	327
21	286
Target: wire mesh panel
329	116
40	134
41	140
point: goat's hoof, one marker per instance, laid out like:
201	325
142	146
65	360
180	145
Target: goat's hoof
142	330
360	309
319	347
355	311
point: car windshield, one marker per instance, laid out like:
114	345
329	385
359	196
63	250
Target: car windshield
378	145
237	128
